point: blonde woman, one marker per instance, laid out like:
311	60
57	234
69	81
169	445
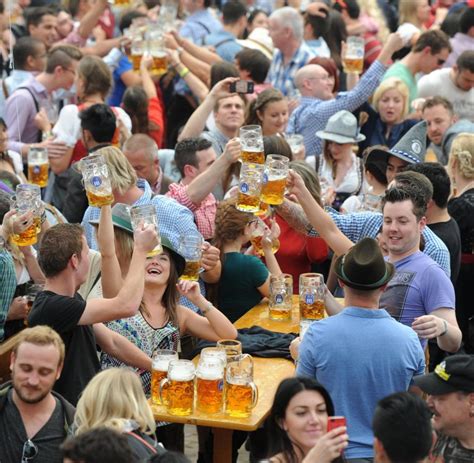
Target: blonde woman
114	399
413	14
385	121
461	209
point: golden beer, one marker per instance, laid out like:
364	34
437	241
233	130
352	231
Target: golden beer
280	313
248	203
96	200
156	377
26	238
210	392
239	399
191	270
121	3
353	65
37	222
38	174
136	59
160	64
256	242
253	157
180	397
263	210
273	190
312	310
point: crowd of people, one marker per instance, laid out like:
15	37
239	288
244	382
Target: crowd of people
379	199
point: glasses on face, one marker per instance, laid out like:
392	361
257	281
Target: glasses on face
71	70
441	61
30	450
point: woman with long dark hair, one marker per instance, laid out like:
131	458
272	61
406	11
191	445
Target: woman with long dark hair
297	425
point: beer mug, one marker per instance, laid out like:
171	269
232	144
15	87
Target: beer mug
190	248
312	290
137	51
210	385
180	384
250	185
232	347
156	48
274	179
146	215
251	141
353	60
95	174
296	142
218	353
169	11
241	393
281	294
257	236
38	166
26	200
159	371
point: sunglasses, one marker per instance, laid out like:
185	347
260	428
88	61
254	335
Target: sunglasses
30	450
441	61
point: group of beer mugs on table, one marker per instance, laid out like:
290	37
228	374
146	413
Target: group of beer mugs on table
311	297
147	37
221	382
27	199
262	181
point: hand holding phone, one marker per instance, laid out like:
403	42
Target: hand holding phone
335	422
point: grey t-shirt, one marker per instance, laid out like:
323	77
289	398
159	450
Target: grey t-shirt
13	435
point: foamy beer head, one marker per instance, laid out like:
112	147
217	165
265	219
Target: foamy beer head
312	306
274	179
159	371
250	185
96	176
241	392
180	394
214	353
210	385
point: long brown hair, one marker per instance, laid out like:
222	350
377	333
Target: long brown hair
170	296
135	104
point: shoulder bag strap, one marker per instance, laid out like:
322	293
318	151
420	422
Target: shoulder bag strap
143	441
39	137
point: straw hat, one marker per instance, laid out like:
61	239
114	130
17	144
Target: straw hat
259	39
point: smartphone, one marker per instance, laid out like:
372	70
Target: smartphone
241	86
335	422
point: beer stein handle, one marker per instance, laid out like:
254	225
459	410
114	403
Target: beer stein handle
163	383
245	357
254	388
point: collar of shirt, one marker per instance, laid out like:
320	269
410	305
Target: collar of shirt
156	188
147	193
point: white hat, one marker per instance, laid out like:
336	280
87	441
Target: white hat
259	39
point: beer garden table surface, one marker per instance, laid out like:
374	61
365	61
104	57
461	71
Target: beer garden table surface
268	373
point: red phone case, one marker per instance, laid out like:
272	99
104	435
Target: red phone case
336	422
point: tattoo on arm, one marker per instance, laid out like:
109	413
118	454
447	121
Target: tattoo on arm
294	215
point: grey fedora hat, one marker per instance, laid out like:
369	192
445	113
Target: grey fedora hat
341	127
411	148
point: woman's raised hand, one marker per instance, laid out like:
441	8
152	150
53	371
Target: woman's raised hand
190	290
328	447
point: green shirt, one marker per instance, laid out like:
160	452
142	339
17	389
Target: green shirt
403	73
241	277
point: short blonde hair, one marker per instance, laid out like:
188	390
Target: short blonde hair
122	174
112	398
462	150
392	83
41	336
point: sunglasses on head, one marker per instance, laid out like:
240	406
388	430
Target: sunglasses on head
30	450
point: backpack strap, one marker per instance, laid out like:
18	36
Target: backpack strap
39	137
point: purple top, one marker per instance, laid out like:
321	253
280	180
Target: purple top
20	111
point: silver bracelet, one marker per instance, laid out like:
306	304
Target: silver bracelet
207	309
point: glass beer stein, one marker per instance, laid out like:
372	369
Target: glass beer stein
312	306
27	199
210	385
38	166
353	61
159	371
232	347
274	179
146	215
250	185
257	237
156	48
281	294
180	388
251	140
95	174
241	392
190	248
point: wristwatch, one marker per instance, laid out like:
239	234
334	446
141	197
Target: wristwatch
445	328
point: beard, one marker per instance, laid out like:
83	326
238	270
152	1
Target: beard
29	395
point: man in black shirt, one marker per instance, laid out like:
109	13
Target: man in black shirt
34	421
64	258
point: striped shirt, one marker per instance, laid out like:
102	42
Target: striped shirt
282	76
7	286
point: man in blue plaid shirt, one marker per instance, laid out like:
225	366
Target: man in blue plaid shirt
317	104
292	53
